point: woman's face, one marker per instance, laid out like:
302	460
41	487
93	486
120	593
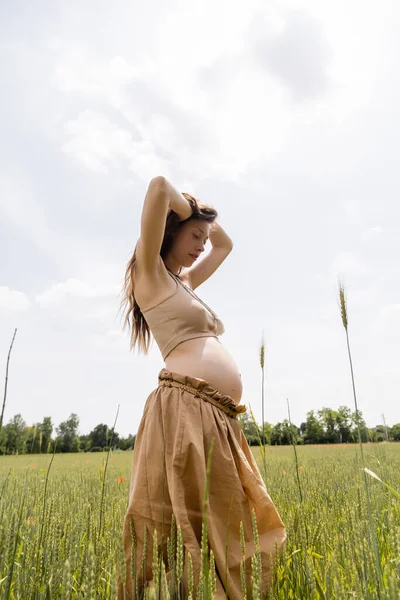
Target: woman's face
191	241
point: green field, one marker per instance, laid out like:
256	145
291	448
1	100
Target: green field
60	527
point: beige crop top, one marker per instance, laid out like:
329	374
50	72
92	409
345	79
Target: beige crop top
181	317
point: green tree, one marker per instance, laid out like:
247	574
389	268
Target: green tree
328	419
284	433
101	436
395	432
3	440
267	432
314	431
46	430
343	422
251	429
363	427
127	443
16	435
379	433
33	439
67	438
84	443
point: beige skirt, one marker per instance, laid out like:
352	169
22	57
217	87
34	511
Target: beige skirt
181	417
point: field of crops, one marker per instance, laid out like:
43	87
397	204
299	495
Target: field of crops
61	519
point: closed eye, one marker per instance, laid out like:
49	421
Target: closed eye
198	237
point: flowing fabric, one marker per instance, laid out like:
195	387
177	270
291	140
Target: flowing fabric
178	420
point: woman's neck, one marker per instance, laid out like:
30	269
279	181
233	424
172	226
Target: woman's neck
176	275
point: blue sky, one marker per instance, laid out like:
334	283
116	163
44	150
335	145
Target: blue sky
284	117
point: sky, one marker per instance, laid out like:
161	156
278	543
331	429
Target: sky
284	116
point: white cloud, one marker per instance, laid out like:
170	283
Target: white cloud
347	264
372	232
21	208
229	87
57	293
114	339
80	299
391	313
12	300
304	72
389	327
353	212
76	73
98	143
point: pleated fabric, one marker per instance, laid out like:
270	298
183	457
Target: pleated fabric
181	423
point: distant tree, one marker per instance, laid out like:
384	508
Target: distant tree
101	436
328	420
395	432
46	428
267	432
284	433
343	423
67	438
85	443
32	435
378	433
3	440
96	449
363	427
127	443
16	436
250	429
314	431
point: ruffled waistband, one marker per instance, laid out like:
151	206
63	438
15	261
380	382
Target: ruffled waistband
202	389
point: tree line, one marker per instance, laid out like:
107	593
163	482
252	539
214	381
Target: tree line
18	438
325	426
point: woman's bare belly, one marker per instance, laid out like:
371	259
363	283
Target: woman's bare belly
206	358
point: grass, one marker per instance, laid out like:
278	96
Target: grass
337	561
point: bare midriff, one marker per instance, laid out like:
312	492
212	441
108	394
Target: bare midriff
206	358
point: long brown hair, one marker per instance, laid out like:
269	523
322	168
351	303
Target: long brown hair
134	320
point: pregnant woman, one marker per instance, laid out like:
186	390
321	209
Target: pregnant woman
197	400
